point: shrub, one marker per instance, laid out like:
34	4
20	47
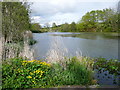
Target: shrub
73	72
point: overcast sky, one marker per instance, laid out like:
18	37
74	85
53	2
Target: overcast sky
61	11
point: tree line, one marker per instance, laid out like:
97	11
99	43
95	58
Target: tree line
106	20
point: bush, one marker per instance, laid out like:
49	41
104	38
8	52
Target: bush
73	72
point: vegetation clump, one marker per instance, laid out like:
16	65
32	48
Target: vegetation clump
113	65
19	73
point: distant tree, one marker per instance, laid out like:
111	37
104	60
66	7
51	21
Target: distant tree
36	28
47	25
118	11
72	27
99	21
54	25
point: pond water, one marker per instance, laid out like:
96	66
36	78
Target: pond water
86	44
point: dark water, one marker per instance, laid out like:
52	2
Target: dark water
88	44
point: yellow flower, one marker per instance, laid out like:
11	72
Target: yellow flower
44	63
29	77
24	61
31	73
31	61
34	82
38	71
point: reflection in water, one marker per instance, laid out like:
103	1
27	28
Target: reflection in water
90	44
105	78
92	36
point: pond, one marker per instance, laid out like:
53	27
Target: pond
86	44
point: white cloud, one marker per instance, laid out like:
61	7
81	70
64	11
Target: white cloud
58	1
61	11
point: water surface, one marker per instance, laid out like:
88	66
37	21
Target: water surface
88	44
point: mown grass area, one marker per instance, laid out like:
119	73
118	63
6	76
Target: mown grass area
19	73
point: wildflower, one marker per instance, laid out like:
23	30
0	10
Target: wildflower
29	77
31	73
34	82
44	63
31	61
18	70
24	61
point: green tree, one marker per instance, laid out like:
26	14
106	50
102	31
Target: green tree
72	27
36	28
65	27
15	20
98	21
54	25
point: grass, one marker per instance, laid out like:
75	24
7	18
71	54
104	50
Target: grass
19	73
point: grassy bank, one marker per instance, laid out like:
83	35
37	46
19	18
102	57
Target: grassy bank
19	73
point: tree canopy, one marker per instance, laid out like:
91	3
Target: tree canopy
15	19
106	20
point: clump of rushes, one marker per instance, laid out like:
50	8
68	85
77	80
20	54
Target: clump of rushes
19	73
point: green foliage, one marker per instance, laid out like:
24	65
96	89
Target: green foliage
68	27
113	66
32	41
15	20
106	20
54	25
65	27
36	28
19	73
74	73
73	27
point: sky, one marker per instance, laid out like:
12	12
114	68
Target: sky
62	11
